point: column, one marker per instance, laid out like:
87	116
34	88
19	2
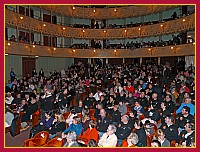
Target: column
89	60
140	61
158	60
123	61
106	60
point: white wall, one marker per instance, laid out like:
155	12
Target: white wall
12	31
49	64
15	62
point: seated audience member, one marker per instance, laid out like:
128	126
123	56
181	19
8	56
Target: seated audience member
99	106
188	104
139	130
164	112
72	114
76	126
92	143
30	109
102	122
85	122
187	136
116	115
184	117
89	101
78	109
91	133
171	131
44	125
122	108
58	125
133	141
71	139
109	139
138	108
155	143
152	114
123	130
170	103
132	118
160	136
143	100
148	127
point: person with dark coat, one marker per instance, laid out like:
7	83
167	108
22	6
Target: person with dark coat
184	117
139	130
47	103
63	101
171	131
44	125
115	115
123	129
102	122
187	136
30	109
58	125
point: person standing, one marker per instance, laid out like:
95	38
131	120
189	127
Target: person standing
12	75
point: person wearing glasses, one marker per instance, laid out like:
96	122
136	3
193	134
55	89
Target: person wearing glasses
109	139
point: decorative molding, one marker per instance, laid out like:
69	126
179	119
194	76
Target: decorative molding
24	49
28	23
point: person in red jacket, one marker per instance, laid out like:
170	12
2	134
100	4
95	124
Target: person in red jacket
130	88
91	133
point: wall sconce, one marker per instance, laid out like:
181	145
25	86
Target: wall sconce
44	25
150	52
183	20
173	49
21	17
73	8
162	27
139	29
94	11
9	44
115	10
73	51
125	31
52	51
63	28
83	33
94	51
115	51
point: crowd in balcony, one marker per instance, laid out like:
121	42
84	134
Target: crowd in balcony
176	40
126	105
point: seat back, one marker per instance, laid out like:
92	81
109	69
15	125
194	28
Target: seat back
55	142
44	135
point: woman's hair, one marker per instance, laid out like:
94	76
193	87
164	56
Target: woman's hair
77	119
92	143
134	138
60	118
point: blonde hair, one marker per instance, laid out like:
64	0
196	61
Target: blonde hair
60	118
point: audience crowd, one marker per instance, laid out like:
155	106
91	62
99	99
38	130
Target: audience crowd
92	105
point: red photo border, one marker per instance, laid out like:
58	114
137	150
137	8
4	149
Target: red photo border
131	2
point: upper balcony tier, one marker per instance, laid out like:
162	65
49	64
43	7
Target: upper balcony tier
106	13
31	24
